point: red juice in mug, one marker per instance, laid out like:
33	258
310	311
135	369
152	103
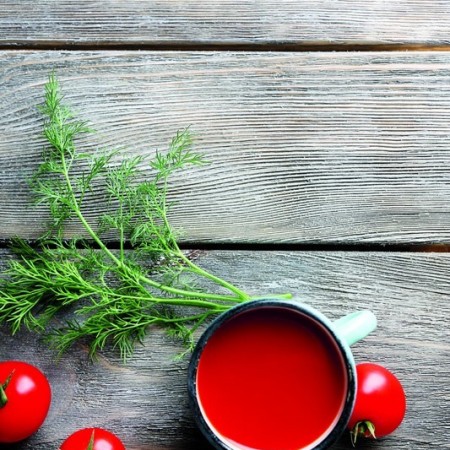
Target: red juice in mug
271	379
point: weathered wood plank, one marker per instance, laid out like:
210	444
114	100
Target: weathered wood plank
145	401
223	22
311	147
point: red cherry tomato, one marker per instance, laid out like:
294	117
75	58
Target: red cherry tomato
380	402
25	397
92	439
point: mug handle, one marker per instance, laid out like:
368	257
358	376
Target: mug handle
355	326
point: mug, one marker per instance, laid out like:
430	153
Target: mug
273	374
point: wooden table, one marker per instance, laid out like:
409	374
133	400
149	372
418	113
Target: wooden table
327	125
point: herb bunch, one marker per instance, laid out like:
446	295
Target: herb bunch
113	296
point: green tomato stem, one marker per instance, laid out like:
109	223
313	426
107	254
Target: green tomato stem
361	429
91	442
3	396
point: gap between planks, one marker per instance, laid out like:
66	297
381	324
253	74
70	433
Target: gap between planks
284	246
220	46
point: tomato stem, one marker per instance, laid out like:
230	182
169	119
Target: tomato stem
364	428
3	396
91	442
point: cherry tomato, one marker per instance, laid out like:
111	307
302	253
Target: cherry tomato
25	397
92	439
380	402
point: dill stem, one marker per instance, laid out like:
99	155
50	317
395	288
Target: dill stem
120	263
173	300
184	318
143	278
241	294
121	236
202	316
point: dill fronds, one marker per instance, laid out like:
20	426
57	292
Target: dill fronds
112	297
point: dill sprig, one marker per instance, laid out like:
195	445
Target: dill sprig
111	296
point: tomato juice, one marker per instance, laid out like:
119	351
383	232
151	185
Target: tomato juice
271	378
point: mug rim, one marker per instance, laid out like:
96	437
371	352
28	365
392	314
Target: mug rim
295	305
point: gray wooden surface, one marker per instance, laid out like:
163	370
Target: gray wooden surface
304	147
145	401
46	23
321	135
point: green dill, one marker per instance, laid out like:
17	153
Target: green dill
111	296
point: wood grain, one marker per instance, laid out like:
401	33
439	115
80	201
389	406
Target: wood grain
145	402
304	148
223	23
